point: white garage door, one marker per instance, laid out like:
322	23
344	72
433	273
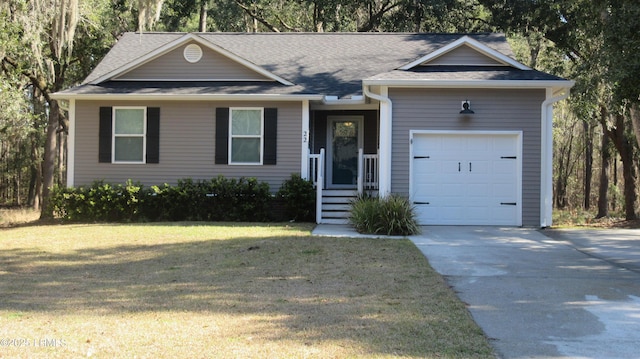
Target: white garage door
466	178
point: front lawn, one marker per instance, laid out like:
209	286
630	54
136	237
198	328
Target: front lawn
211	290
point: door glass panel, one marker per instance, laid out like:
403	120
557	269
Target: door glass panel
345	152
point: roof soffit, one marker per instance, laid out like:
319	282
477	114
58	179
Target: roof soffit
494	55
184	40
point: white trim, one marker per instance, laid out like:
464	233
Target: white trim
472	43
191	97
366	106
304	147
508	84
144	135
334	101
71	144
518	134
231	137
546	149
120	79
179	42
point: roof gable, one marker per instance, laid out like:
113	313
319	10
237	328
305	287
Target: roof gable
465	51
176	65
168	63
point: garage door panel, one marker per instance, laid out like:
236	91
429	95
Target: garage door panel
481	190
504	167
449	167
466	178
476	144
477	167
426	169
504	144
504	190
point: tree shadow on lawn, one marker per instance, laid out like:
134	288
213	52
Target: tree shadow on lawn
381	294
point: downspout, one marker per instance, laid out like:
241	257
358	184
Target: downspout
384	161
546	171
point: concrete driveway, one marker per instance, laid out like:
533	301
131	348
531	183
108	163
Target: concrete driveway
544	297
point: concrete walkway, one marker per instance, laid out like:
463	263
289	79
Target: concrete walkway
537	296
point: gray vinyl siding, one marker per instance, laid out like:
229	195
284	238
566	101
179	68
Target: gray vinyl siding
463	55
187	135
495	110
173	66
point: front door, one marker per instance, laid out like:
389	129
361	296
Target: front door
345	138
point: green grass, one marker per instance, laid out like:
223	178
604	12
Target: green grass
213	290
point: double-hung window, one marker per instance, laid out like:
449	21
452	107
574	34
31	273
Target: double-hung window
129	134
246	135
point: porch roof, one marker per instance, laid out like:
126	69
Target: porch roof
468	76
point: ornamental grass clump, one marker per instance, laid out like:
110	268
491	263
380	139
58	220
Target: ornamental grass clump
391	215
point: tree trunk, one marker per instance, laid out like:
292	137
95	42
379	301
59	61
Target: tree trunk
634	111
203	16
417	19
318	17
564	168
625	149
588	163
603	191
49	162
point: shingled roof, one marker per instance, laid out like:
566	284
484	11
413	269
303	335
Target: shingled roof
331	64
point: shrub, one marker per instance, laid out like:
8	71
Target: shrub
299	198
392	215
99	202
219	199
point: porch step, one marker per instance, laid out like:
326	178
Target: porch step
336	205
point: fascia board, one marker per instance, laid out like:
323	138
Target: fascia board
181	41
472	83
173	97
476	45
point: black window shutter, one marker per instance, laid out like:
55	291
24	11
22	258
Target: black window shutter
153	135
270	136
104	136
222	136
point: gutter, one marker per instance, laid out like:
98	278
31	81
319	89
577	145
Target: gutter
174	97
502	84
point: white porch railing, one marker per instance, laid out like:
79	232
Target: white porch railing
316	175
368	175
370	171
316	166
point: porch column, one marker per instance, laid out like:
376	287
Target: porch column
384	161
546	154
71	144
304	150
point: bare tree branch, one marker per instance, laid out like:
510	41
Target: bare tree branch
254	14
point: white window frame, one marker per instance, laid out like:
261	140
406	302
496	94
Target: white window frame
143	135
232	136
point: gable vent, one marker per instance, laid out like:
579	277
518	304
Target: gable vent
192	53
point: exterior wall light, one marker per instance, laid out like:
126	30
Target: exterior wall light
466	108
